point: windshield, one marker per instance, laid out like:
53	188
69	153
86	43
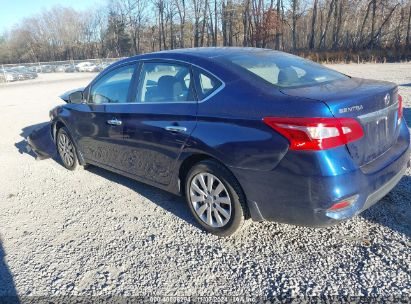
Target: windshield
284	70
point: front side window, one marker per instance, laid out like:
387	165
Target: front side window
113	87
284	70
164	82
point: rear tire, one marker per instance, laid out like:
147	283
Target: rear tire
66	149
215	198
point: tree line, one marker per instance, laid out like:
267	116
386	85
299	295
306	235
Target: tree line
324	30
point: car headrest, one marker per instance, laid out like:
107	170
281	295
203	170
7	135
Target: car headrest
288	76
169	88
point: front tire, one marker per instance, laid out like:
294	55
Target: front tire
66	149
215	198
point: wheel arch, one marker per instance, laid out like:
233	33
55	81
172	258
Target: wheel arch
187	164
57	125
193	159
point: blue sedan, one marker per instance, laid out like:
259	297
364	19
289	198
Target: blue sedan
243	133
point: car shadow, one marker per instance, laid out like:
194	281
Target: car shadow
394	210
25	132
407	116
168	201
405	85
163	199
8	293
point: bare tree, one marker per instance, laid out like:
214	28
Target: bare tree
181	10
313	20
324	32
367	28
407	39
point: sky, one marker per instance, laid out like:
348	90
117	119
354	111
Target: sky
12	11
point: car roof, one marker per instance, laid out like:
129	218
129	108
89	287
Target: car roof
213	52
204	53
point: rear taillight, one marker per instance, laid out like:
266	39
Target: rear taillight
316	133
399	108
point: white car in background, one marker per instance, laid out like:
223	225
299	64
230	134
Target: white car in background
91	68
8	75
82	66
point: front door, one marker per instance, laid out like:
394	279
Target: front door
97	123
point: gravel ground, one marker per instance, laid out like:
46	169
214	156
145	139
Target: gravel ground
92	232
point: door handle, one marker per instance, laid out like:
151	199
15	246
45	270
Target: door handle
114	122
176	129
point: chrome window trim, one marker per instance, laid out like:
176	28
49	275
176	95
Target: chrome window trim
133	103
220	88
134	61
379	113
215	92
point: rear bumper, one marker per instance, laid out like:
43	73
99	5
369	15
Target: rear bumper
387	187
302	188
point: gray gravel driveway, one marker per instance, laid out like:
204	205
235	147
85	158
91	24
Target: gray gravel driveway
92	232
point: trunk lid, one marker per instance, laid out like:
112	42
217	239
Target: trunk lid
373	103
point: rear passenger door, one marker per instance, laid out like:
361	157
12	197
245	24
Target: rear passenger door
157	125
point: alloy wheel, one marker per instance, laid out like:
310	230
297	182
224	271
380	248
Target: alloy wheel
210	200
66	149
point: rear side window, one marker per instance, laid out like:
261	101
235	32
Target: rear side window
284	70
165	82
206	84
112	87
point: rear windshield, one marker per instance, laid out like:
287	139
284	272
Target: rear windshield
284	70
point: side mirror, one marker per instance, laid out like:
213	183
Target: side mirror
76	97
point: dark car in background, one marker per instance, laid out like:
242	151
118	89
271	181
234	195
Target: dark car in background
21	75
60	68
242	133
66	68
34	68
47	68
24	73
71	68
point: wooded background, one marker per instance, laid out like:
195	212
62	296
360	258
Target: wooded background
323	30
